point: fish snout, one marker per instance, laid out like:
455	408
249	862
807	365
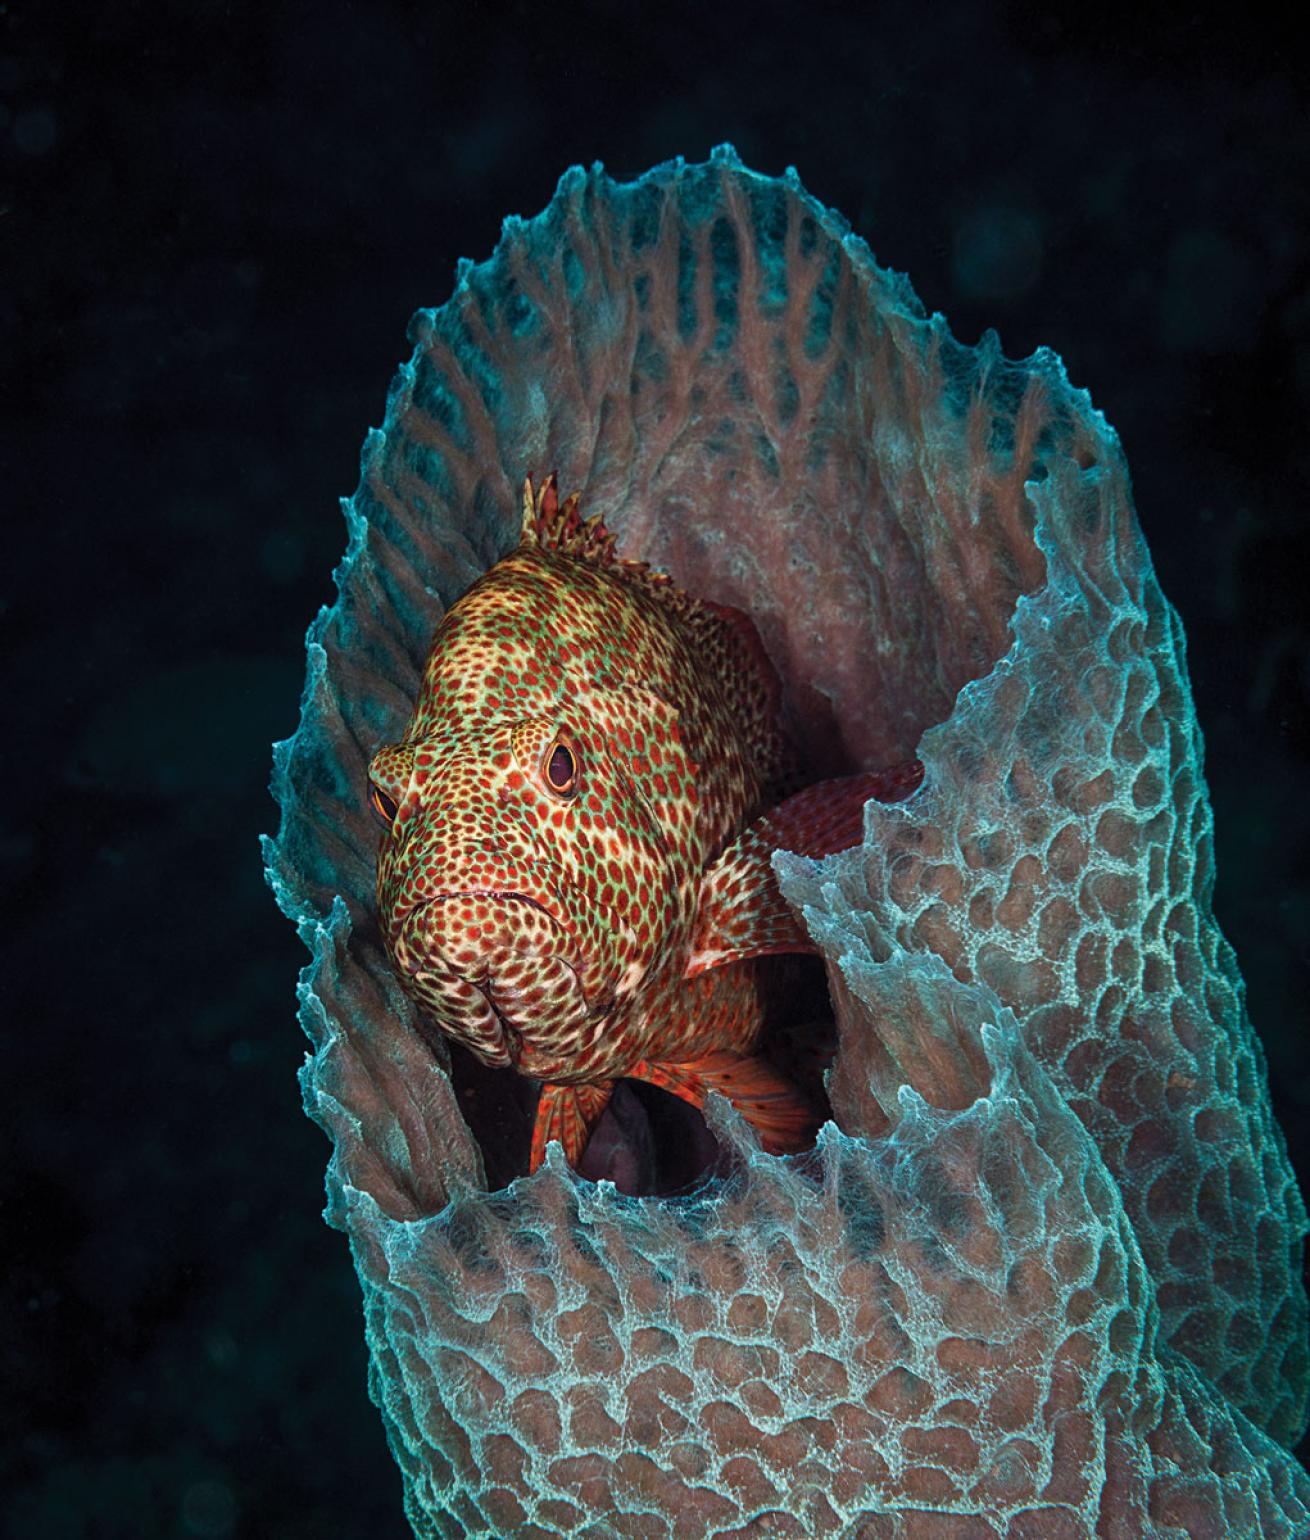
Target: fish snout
496	971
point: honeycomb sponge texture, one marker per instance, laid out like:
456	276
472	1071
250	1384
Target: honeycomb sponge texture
1041	1274
949	1330
1060	853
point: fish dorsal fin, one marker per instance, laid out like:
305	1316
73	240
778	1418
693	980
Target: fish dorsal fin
730	649
552	525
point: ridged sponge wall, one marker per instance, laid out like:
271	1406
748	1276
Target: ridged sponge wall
1041	1275
1060	855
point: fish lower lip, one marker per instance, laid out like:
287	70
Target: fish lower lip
513	1036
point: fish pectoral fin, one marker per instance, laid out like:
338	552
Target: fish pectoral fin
829	816
742	911
567	1113
783	1116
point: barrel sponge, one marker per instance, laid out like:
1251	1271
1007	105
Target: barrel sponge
1040	1275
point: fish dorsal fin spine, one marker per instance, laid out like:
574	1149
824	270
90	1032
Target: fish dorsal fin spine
552	525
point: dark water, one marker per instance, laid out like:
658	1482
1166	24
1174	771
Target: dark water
216	221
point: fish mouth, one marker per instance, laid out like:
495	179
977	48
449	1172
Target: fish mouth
499	970
499	893
511	1033
552	910
519	1036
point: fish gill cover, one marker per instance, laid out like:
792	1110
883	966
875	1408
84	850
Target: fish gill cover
1041	1275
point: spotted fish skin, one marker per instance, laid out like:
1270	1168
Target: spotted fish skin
575	879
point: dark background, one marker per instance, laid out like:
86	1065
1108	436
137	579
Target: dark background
215	221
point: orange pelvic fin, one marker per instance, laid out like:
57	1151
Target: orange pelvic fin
567	1113
782	1115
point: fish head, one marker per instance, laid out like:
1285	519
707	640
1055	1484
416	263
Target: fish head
526	885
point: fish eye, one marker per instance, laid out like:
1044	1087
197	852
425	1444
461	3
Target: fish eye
561	768
383	807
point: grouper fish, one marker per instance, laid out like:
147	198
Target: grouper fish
574	879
